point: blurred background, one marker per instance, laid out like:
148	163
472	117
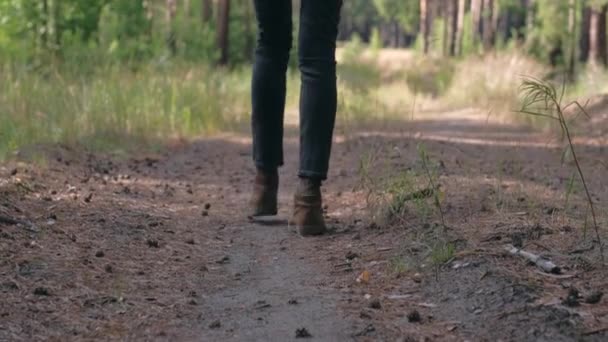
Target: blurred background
98	72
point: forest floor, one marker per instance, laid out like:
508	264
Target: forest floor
158	246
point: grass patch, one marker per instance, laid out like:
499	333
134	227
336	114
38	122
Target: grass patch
441	253
399	266
492	82
380	84
392	198
116	106
429	76
113	106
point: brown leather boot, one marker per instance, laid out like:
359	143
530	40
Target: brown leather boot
308	208
265	188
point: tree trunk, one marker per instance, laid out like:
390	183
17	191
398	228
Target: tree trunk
444	8
424	25
206	11
57	25
488	24
187	7
476	12
396	33
171	13
460	26
44	22
572	10
507	25
223	26
584	39
453	15
530	12
249	38
495	20
597	35
601	39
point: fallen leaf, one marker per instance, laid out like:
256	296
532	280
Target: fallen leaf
363	277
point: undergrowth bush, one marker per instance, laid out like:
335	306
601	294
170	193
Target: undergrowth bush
429	76
491	82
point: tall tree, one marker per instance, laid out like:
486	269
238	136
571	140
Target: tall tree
443	10
530	13
249	37
187	7
171	38
476	14
206	11
495	20
57	27
425	26
460	26
452	23
223	27
572	10
44	22
400	15
488	24
585	27
597	35
359	17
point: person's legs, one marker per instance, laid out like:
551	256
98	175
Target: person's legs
269	81
268	99
319	21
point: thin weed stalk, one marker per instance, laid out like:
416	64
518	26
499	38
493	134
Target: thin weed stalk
435	190
543	100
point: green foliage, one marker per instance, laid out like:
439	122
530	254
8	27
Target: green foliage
375	42
128	30
405	12
353	49
109	31
441	253
469	44
359	13
430	76
550	29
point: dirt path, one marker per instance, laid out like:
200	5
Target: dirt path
279	292
158	247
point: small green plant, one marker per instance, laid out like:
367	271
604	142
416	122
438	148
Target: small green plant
441	253
435	191
499	192
353	49
389	198
541	99
398	265
405	188
375	42
569	190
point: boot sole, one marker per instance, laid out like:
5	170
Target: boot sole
271	209
259	213
311	230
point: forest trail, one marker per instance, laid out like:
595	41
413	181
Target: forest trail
158	246
280	294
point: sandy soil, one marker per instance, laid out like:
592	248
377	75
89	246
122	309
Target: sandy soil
158	246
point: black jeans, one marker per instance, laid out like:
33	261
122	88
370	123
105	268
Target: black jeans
318	94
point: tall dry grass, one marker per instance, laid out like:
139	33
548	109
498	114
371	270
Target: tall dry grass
115	106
